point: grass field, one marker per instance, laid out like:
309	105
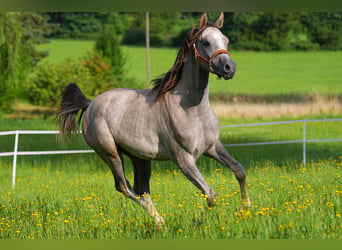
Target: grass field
73	197
259	73
277	154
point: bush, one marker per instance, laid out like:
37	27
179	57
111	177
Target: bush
108	45
179	39
304	45
156	41
80	25
94	75
324	28
134	37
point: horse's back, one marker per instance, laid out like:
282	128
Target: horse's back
128	117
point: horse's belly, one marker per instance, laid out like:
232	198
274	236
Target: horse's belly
147	148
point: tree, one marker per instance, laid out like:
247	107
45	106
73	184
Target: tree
35	30
85	25
108	45
13	58
324	28
19	33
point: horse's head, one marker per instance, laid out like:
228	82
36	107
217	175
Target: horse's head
210	48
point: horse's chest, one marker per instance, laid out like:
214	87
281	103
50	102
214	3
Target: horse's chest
196	135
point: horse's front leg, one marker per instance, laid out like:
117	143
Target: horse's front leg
187	164
220	154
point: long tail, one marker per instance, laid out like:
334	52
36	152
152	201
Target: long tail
73	101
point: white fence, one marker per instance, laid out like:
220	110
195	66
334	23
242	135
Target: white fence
303	140
15	152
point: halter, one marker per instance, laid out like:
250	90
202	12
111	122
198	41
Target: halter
198	56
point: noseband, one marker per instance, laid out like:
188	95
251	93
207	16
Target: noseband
199	57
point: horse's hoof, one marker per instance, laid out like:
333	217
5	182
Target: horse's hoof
161	227
160	224
247	203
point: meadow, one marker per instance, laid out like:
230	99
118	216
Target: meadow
73	196
259	73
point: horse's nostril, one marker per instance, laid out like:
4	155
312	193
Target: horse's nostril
226	68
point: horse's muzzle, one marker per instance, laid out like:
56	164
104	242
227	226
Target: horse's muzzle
229	69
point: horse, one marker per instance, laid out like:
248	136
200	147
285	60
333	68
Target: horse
173	120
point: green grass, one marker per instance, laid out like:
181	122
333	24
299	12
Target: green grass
278	154
259	73
60	50
74	198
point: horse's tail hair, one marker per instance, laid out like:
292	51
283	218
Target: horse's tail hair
73	101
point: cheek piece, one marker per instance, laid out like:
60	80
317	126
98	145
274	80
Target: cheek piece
199	57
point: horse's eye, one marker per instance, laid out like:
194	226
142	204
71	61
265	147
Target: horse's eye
206	43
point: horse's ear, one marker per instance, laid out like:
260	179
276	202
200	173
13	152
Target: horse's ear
219	21
203	21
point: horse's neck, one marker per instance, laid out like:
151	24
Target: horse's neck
193	87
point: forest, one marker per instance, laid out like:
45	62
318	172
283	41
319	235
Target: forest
23	33
247	30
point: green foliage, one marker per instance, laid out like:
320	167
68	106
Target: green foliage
13	58
107	44
324	29
246	30
35	29
134	37
19	34
84	25
179	39
94	75
116	22
46	86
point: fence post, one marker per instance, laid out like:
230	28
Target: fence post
304	142
15	157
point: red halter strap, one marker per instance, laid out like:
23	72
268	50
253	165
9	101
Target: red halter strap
198	56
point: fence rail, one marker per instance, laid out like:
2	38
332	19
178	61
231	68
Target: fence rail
15	152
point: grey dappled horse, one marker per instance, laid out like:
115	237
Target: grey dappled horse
172	121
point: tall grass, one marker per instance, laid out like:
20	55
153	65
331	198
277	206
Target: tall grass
71	200
73	197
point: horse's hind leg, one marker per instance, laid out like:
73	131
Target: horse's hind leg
220	154
115	163
142	174
141	192
103	143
